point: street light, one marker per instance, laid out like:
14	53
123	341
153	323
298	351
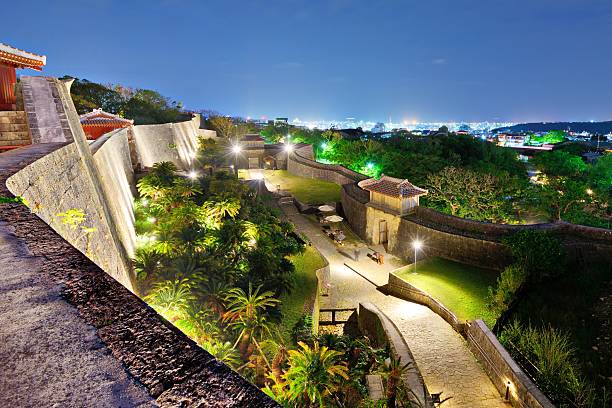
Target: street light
416	245
236	149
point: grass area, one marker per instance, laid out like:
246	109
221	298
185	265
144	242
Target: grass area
307	190
305	285
461	288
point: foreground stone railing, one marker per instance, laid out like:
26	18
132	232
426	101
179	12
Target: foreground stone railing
503	371
374	324
174	370
400	288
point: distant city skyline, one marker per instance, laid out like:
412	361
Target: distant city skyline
448	61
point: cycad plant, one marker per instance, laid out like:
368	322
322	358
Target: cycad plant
314	375
171	298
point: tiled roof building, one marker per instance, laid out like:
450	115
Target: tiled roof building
97	122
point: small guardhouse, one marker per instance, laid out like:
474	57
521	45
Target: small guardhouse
97	122
10	59
390	193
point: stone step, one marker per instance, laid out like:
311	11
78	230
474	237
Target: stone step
9	136
13	117
13	127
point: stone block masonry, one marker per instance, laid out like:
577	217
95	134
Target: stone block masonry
58	182
46	115
503	370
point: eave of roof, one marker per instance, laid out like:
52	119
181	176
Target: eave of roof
20	58
392	187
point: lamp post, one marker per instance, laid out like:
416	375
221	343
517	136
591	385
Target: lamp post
236	149
416	245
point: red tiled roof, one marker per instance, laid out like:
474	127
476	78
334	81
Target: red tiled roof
98	117
391	186
20	58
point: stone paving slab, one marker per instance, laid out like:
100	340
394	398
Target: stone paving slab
441	354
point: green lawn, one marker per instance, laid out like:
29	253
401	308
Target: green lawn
461	288
305	285
307	190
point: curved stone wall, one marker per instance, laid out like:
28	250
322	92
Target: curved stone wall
462	240
301	163
175	142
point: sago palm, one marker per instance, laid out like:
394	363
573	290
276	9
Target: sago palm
314	374
171	298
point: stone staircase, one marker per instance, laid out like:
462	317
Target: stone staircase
14	130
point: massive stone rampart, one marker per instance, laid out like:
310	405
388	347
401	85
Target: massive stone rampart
175	142
173	370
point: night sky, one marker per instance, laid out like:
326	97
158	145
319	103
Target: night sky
425	60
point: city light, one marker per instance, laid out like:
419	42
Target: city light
236	149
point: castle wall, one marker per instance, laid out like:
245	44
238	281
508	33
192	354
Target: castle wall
301	163
175	142
58	182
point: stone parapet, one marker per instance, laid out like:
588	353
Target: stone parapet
503	370
174	370
375	325
404	290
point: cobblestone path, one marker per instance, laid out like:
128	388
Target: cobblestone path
441	354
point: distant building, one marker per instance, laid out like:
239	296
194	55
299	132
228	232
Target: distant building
97	122
510	139
256	154
281	121
378	128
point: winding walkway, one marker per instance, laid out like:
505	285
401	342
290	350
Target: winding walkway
441	354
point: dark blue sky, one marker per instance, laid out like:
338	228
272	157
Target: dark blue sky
519	60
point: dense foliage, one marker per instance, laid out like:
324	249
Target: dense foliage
214	260
143	105
572	190
550	355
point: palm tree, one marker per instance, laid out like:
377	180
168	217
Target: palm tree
214	211
146	262
314	374
186	266
392	372
245	312
164	171
171	298
223	351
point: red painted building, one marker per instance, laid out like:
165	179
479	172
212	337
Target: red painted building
10	59
97	122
